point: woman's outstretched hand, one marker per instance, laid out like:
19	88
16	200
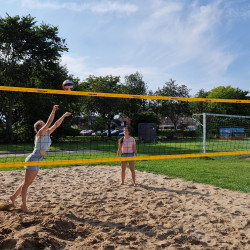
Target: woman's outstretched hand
67	114
56	107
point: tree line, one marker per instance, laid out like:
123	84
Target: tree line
30	56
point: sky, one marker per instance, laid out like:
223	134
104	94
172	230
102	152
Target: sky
202	44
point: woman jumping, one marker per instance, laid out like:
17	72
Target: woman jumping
42	144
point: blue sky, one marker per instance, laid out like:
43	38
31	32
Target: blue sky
199	43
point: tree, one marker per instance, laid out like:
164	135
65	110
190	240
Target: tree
199	107
174	110
28	53
134	85
104	107
228	92
143	117
132	108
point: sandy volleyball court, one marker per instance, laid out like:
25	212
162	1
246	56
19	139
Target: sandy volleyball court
85	208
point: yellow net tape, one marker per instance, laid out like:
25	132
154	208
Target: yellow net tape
82	93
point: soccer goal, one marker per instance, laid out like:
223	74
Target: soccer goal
223	132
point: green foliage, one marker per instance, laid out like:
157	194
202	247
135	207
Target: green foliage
173	109
228	92
175	134
29	57
1	132
26	47
143	117
107	108
104	107
134	85
200	107
63	131
99	124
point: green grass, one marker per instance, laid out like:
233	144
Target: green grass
232	172
180	146
226	172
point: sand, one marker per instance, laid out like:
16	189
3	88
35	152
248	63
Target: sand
86	208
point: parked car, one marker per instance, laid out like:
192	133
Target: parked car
121	134
101	132
106	132
116	132
86	132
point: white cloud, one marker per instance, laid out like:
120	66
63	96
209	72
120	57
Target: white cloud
94	6
76	65
80	67
170	36
35	4
161	11
177	33
150	74
109	6
235	11
167	39
117	71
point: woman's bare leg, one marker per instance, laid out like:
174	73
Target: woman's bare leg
132	169
124	166
30	176
16	194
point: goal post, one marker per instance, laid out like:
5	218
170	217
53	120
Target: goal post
232	132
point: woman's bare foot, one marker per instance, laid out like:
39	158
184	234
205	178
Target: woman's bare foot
12	200
24	208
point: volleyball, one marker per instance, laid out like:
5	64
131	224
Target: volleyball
68	85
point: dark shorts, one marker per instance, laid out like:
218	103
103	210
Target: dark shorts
34	156
128	155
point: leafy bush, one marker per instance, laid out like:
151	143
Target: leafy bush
174	134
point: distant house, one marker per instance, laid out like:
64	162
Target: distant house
86	122
183	123
122	122
89	121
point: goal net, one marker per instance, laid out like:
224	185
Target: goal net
222	133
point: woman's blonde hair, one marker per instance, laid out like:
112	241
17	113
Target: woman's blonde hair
37	125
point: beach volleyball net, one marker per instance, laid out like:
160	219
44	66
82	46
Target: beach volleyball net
91	135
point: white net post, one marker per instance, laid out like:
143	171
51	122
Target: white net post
204	132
